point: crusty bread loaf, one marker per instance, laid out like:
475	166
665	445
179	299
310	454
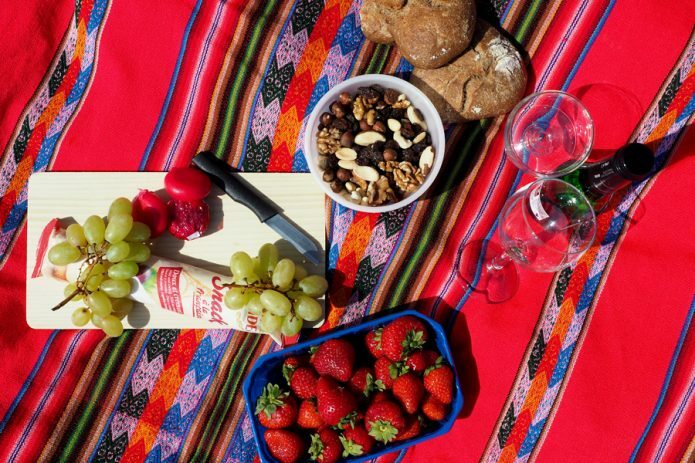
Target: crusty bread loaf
429	33
487	80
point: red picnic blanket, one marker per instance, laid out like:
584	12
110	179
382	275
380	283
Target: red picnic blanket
594	363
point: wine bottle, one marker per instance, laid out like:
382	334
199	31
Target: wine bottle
598	181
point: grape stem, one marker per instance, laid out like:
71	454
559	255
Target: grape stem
258	288
93	258
67	299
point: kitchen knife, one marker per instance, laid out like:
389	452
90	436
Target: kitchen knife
267	212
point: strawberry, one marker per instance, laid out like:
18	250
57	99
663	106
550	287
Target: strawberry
385	371
334	358
439	381
363	382
325	446
434	409
379	396
421	360
308	415
412	428
373	342
290	364
356	441
403	336
408	389
384	420
285	446
276	408
335	402
303	382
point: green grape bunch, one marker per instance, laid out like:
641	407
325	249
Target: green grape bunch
279	291
109	251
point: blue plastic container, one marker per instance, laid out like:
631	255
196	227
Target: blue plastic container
268	368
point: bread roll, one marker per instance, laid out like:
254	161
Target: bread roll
487	80
429	33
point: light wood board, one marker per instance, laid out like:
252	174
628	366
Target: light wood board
73	196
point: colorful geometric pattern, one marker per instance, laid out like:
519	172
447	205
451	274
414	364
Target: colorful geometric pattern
565	318
46	116
668	425
169	395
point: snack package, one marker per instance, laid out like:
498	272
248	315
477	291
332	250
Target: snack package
162	284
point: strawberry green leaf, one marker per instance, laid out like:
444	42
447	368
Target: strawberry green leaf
350	448
413	341
316	447
287	372
397	369
377	337
437	364
271	398
348	420
383	431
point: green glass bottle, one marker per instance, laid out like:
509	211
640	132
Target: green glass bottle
598	181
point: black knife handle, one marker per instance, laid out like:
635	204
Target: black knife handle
222	175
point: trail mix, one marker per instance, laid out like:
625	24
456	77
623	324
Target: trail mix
374	146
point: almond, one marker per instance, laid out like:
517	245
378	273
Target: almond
401	140
415	118
394	125
367	173
426	158
349	165
346	154
368	138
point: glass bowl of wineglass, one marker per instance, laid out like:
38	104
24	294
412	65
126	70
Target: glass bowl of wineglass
545	226
548	134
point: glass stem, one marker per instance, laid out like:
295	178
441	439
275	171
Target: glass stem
498	262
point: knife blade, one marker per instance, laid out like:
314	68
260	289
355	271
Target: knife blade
267	212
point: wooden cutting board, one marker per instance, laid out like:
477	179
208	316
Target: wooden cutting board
73	196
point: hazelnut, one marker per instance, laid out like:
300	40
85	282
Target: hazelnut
338	110
345	99
347	139
390	154
328	175
343	174
337	186
379	126
326	119
364	126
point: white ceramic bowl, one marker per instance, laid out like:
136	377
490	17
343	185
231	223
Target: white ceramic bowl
416	97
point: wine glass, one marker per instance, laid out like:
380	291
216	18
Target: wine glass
545	226
548	134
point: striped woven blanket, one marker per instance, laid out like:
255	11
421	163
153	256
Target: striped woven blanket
594	363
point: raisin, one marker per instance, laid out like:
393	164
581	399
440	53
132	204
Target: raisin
341	124
407	129
409	155
420	147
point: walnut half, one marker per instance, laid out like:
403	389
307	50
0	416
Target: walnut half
328	141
